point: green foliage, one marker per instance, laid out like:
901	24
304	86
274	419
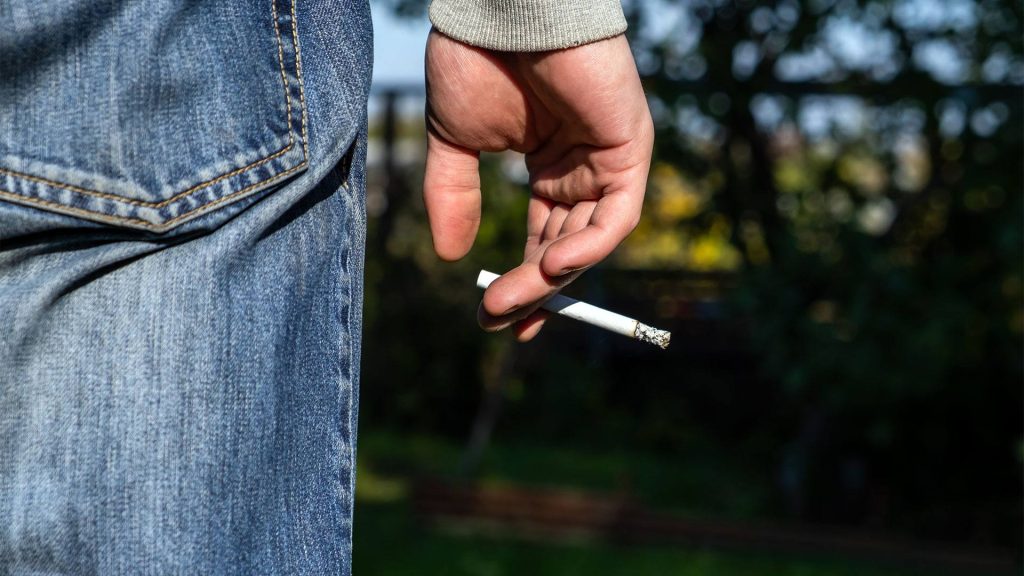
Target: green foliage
699	481
882	256
428	553
384	517
857	165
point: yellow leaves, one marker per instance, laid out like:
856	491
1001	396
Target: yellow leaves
865	173
712	250
791	174
657	245
676	207
665	239
672	197
377	488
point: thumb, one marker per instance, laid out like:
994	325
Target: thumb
451	193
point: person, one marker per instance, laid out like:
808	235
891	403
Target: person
181	254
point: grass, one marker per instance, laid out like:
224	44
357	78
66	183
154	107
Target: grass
390	541
696	483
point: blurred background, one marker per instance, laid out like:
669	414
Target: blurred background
833	234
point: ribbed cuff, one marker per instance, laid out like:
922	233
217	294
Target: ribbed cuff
528	25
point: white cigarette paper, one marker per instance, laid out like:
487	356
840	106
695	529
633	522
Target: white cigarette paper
594	316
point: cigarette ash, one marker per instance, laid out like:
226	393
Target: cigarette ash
652	335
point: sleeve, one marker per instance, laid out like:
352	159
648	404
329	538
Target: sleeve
527	25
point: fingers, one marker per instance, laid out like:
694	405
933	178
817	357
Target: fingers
554	223
612	219
517	294
537	215
530	326
518	289
527	327
576	219
616	178
515	297
451	193
547	221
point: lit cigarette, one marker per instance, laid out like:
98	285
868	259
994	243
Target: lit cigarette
594	316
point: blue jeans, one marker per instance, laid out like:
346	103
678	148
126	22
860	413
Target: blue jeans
181	255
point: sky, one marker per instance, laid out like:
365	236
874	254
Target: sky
398	48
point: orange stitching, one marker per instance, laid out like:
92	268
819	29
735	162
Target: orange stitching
145	223
280	59
298	77
64	208
130	201
224	199
116	198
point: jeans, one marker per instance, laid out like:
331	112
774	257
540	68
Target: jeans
181	256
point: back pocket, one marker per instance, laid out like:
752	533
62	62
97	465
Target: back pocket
148	114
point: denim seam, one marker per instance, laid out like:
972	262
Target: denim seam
298	78
146	224
353	373
280	61
162	203
201	185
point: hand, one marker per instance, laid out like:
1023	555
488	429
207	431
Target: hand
580	117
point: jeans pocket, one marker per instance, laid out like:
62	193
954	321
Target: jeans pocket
148	114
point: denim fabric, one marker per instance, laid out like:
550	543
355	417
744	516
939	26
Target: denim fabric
181	254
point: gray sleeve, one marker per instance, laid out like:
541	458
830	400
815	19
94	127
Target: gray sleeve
527	25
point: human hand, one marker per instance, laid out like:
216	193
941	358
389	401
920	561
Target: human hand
580	117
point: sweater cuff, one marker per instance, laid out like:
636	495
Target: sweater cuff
527	25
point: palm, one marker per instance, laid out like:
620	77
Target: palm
580	117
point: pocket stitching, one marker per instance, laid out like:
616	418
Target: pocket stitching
134	202
127	219
201	185
298	76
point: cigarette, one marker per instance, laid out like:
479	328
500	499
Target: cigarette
594	316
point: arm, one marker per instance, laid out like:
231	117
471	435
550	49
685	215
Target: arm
580	117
